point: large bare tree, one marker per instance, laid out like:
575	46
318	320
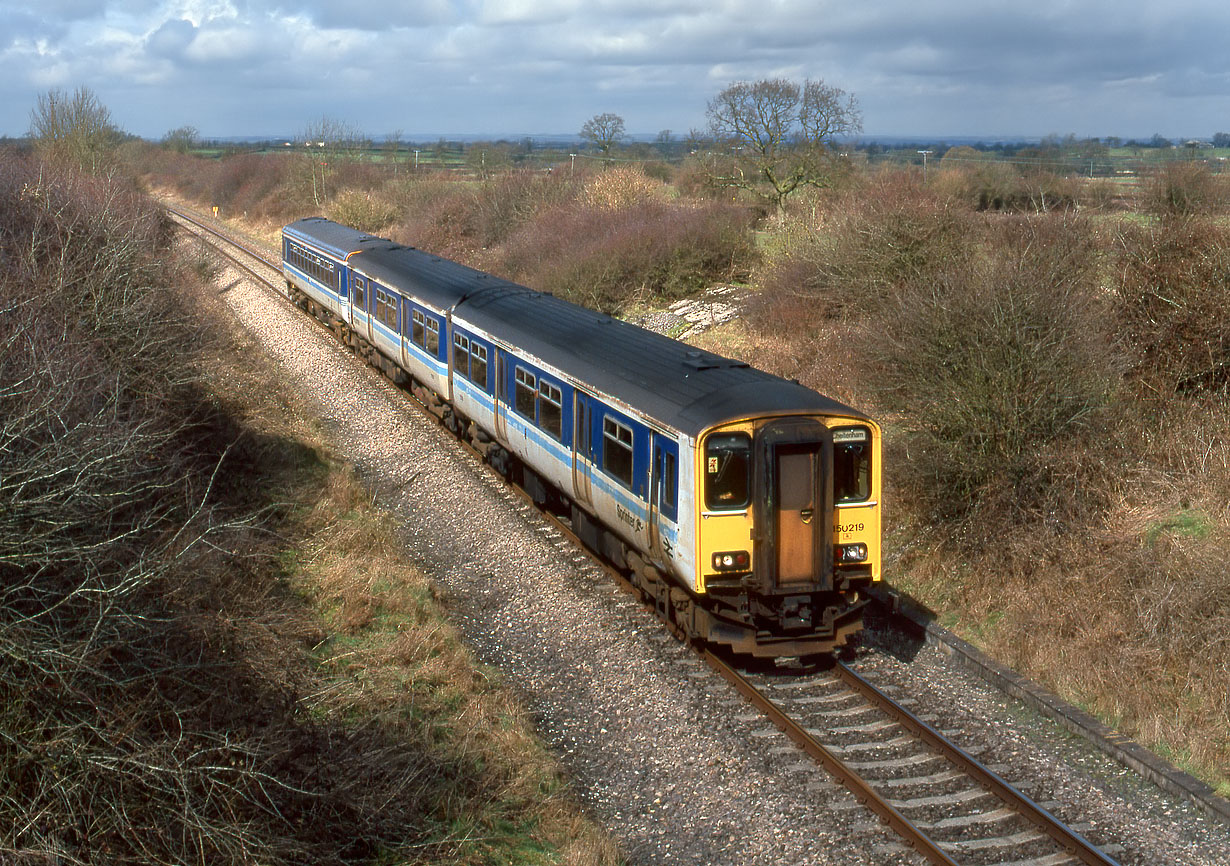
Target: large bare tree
604	131
327	144
73	128
777	136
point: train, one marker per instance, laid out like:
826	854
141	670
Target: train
744	506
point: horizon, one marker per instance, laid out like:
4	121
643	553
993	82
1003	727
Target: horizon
936	70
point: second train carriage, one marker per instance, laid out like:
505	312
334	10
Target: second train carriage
746	505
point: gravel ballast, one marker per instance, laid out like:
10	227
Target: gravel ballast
658	747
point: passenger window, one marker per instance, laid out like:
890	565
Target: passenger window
617	450
433	337
527	391
360	289
388	308
851	464
461	356
418	331
550	411
728	464
478	365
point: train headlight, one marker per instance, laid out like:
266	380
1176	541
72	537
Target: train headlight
736	560
852	553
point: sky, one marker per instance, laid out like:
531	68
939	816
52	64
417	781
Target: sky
511	68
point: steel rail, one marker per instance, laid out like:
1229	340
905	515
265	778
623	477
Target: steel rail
1067	838
256	254
856	784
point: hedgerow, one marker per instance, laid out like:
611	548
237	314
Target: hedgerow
608	258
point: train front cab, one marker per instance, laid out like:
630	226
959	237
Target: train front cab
788	531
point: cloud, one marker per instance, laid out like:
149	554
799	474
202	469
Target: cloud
493	66
171	38
383	16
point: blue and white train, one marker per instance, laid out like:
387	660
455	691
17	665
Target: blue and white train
745	505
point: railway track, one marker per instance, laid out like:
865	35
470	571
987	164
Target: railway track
248	253
941	800
943	803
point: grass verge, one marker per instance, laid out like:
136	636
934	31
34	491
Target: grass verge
382	666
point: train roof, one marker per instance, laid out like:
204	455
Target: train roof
674	383
679	385
334	238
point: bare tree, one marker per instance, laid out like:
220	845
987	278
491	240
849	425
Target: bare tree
778	136
327	144
74	128
604	131
181	139
392	149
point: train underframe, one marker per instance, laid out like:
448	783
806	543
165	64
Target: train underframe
736	618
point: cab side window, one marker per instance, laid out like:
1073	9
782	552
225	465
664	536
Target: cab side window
728	471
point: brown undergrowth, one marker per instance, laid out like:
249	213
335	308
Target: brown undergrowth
174	686
385	661
1053	394
1052	389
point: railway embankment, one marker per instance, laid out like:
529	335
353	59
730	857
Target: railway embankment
658	751
185	674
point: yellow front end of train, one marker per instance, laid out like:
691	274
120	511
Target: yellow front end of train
788	526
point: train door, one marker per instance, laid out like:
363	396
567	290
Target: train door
501	397
404	332
362	294
582	447
663	494
795	481
451	353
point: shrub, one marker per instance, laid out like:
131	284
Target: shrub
998	365
1173	287
622	187
995	186
502	205
607	259
363	211
873	241
435	217
1183	189
136	721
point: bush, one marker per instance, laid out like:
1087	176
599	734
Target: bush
999	365
622	187
505	203
362	211
139	722
1105	194
608	259
1173	286
1001	187
872	242
436	214
1183	189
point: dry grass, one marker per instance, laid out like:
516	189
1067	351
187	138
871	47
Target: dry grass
179	681
386	660
1053	395
397	662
